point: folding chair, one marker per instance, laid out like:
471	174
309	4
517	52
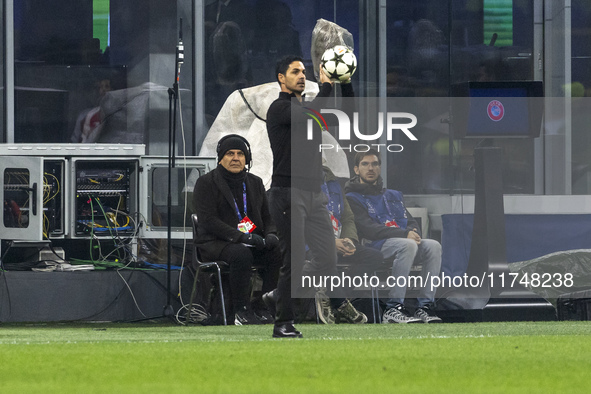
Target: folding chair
210	265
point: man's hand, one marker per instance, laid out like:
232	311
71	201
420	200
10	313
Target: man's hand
345	246
346	81
323	77
271	241
254	240
412	234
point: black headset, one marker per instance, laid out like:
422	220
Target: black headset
248	154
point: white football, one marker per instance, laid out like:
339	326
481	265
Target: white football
339	63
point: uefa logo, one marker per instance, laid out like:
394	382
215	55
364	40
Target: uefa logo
495	110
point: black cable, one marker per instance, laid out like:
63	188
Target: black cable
107	221
163	288
249	107
105	308
21	266
119	243
55	253
125	287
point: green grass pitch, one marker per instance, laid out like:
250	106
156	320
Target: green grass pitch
525	357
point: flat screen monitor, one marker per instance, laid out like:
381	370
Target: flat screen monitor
497	109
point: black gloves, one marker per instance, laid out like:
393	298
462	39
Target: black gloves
271	241
253	239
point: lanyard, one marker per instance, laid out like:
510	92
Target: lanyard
335	210
243	201
371	208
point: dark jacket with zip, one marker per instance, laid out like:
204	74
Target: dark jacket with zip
373	206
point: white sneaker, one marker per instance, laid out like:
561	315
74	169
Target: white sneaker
399	314
427	315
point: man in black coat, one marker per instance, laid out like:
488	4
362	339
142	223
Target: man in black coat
297	203
235	225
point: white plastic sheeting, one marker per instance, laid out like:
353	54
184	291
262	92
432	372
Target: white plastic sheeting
236	118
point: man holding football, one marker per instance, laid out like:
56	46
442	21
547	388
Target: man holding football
296	201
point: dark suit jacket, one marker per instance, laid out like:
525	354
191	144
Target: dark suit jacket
218	221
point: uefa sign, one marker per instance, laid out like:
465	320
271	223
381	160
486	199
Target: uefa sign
495	110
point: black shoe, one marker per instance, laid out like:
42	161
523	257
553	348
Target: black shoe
244	316
264	316
270	302
286	331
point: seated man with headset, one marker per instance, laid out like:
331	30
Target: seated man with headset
235	225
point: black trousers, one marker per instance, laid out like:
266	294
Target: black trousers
241	259
302	219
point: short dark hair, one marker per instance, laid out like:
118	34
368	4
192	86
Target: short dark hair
371	152
283	64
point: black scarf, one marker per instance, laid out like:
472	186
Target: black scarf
235	182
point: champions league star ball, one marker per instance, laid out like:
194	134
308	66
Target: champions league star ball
339	63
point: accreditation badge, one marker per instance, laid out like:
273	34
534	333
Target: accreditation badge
392	223
246	225
336	226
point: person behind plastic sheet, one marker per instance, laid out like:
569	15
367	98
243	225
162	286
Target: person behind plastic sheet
235	226
296	200
359	258
90	121
382	219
